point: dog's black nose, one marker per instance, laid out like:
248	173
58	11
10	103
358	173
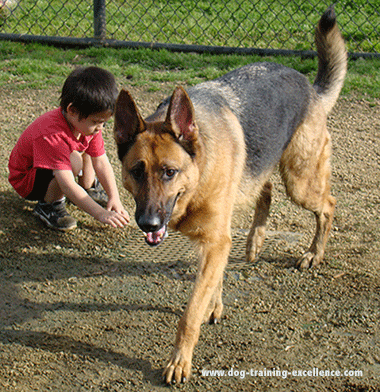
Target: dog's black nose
149	223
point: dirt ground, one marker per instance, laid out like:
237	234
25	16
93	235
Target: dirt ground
97	309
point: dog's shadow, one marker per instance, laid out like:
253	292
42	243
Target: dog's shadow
57	344
15	310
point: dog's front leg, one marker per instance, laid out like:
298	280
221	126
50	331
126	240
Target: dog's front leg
213	260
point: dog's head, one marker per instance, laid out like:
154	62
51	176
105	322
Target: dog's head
158	157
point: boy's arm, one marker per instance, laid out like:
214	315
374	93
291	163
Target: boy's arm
106	177
80	197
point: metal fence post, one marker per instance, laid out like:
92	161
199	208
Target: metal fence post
100	19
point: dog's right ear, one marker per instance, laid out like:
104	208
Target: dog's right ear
128	122
181	117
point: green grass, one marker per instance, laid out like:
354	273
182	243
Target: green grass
274	24
40	66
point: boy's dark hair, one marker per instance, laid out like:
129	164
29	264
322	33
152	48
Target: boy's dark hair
90	90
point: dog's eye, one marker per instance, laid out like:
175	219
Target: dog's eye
138	171
169	173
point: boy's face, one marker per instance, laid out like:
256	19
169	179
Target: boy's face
91	125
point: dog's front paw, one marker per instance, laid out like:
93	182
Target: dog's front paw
308	260
179	368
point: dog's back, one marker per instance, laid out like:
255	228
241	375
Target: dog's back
258	94
271	100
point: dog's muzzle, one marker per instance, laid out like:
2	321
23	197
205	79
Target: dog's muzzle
154	222
155	232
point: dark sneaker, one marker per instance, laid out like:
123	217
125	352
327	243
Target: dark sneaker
97	193
55	215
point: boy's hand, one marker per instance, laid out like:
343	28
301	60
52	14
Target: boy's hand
114	218
103	169
116	206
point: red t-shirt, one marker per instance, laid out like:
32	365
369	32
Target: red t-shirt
47	144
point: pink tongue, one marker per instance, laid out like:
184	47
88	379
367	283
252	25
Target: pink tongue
155	237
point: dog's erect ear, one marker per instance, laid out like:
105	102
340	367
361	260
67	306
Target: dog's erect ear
181	116
128	121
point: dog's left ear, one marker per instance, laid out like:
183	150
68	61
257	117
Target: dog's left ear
128	121
181	117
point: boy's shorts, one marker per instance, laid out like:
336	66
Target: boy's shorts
41	183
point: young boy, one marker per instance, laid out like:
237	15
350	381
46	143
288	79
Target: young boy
65	143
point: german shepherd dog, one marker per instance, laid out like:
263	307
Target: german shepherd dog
184	165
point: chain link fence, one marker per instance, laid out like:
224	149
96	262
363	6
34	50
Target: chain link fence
221	26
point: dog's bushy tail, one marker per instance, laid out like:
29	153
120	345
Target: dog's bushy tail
332	57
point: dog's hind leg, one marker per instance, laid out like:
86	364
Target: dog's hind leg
256	236
324	217
305	169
